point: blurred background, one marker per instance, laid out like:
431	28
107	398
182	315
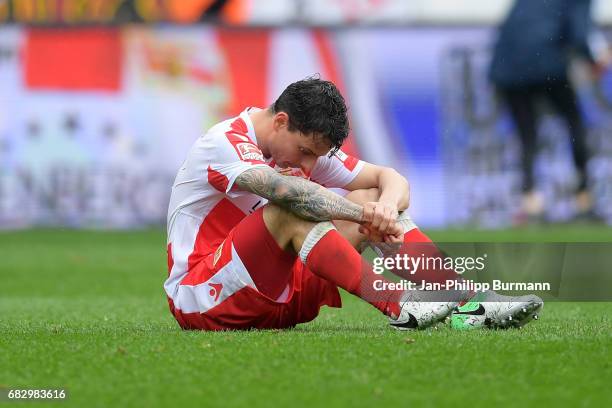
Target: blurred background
100	101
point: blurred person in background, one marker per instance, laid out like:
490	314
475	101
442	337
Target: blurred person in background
530	63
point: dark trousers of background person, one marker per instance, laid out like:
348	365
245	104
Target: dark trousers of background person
522	102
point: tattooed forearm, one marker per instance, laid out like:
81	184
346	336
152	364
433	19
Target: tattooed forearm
304	198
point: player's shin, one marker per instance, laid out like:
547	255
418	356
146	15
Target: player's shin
430	269
332	257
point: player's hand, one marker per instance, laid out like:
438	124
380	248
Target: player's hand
289	171
396	235
380	218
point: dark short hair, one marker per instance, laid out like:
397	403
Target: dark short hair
315	107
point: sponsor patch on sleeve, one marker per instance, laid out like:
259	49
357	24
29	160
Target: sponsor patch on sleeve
249	152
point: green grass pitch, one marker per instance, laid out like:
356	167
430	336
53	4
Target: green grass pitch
85	311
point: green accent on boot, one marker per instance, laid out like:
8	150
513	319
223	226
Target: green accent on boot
473	303
458	322
469	307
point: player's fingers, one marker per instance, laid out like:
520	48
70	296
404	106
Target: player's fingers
390	239
386	221
394	214
392	218
396	231
394	228
368	212
378	218
393	239
364	230
370	234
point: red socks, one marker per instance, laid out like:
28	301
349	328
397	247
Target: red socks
329	255
417	244
429	249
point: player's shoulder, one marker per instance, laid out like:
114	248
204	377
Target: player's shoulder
338	159
220	130
230	139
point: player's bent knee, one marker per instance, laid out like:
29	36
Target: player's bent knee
364	195
279	215
283	224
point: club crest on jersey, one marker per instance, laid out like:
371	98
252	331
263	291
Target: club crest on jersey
248	151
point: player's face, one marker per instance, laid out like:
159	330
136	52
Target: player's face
294	149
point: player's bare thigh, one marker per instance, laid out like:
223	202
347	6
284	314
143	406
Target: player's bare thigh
289	230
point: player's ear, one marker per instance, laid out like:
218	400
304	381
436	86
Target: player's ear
281	120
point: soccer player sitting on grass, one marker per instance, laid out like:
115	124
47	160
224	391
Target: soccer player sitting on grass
253	242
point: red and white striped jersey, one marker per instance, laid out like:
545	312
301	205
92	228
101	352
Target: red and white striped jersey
205	205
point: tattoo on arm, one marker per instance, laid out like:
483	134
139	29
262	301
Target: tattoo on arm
304	198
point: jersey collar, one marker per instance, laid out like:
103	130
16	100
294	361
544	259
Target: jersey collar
244	115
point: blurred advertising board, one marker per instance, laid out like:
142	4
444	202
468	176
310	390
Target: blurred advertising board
79	12
95	122
266	12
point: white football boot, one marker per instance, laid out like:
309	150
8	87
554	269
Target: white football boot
494	311
419	312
